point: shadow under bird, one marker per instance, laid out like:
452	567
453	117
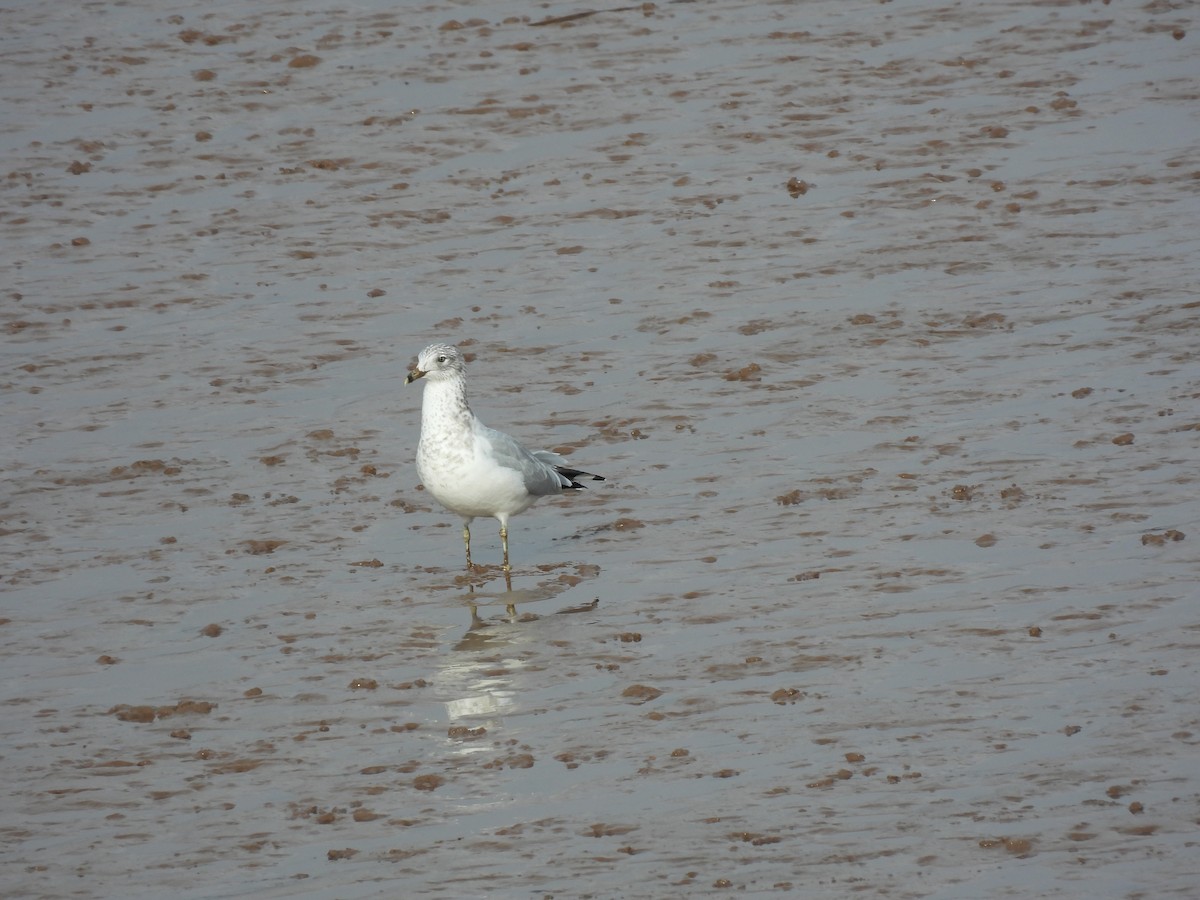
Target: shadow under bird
471	469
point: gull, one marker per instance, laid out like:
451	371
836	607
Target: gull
471	469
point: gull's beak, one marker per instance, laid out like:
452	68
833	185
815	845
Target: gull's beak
413	376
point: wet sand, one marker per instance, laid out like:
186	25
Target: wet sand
881	320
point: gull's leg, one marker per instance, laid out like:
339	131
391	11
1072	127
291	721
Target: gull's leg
467	539
503	520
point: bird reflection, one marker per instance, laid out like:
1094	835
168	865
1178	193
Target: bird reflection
484	633
482	589
485	673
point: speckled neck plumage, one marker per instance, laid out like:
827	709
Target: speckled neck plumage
446	418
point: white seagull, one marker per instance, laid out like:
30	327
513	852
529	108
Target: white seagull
471	469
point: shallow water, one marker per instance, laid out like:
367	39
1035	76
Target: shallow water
880	319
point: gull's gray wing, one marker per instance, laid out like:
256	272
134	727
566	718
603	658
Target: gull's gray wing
536	468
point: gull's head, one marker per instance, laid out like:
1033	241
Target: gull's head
438	361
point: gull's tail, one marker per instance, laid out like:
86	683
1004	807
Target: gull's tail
566	474
571	474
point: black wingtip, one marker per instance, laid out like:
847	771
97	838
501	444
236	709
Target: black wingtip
572	474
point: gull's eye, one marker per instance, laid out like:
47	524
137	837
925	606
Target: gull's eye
441	359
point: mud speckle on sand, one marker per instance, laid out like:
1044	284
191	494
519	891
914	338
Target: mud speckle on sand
881	321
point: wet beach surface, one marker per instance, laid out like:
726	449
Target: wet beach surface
881	321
